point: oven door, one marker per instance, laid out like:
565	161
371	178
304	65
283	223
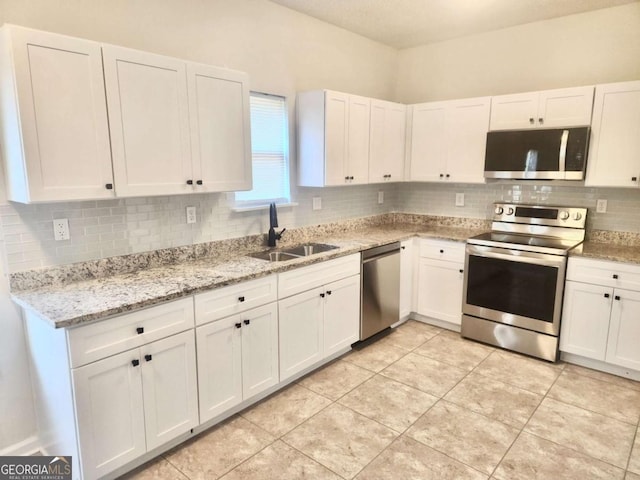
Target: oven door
514	287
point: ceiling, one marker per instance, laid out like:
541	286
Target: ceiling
408	23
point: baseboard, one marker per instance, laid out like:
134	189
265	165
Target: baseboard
435	322
26	447
601	366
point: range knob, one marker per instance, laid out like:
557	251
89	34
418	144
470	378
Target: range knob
577	216
510	211
564	215
499	210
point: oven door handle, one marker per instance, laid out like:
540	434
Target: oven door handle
516	256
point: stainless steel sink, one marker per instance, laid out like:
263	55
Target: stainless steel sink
292	252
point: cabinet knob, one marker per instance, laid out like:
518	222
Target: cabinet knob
441	175
403	247
461	271
447	175
109	186
346	178
540	120
189	182
238	325
135	363
140	330
350	178
441	251
606	295
531	120
241	299
328	292
617	297
634	179
148	357
199	182
247	322
322	295
615	276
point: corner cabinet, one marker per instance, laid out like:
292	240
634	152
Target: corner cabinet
387	142
601	313
55	135
564	107
448	140
615	136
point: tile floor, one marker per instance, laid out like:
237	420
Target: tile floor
423	403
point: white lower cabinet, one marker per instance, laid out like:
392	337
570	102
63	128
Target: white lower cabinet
237	359
440	280
317	324
135	401
601	320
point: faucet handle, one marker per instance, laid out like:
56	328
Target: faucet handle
279	235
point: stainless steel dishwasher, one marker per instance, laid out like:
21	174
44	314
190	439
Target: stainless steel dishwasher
380	300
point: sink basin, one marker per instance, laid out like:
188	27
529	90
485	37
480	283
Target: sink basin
292	252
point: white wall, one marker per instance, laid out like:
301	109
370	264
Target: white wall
595	47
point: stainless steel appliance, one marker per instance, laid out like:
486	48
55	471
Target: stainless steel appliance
380	301
514	277
549	154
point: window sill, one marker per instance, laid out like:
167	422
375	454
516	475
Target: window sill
251	208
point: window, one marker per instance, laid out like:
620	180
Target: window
270	152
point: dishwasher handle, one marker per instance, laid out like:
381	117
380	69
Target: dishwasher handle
380	252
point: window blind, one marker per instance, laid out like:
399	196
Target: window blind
270	151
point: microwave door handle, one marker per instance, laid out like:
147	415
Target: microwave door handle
562	158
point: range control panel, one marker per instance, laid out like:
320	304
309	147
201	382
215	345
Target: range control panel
573	217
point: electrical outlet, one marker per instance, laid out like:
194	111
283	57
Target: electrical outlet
317	203
601	206
459	199
61	229
380	197
191	215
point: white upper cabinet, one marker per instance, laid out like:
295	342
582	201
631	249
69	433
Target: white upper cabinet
54	136
448	140
566	107
333	138
387	141
149	118
220	128
614	158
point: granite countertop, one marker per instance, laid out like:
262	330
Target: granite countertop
79	302
608	251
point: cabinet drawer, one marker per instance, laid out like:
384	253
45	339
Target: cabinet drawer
442	250
313	276
599	272
114	335
226	301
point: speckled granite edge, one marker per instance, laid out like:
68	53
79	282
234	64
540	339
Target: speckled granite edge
106	267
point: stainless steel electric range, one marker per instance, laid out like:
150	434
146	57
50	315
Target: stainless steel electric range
514	277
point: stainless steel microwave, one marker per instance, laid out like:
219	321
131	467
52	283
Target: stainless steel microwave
549	154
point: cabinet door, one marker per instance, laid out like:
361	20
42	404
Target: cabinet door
220	128
170	388
341	314
467	125
300	333
623	346
567	107
439	292
428	142
387	141
585	319
58	139
511	112
148	113
615	142
259	349
407	260
219	366
336	124
109	406
358	139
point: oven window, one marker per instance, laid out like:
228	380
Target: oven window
512	287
